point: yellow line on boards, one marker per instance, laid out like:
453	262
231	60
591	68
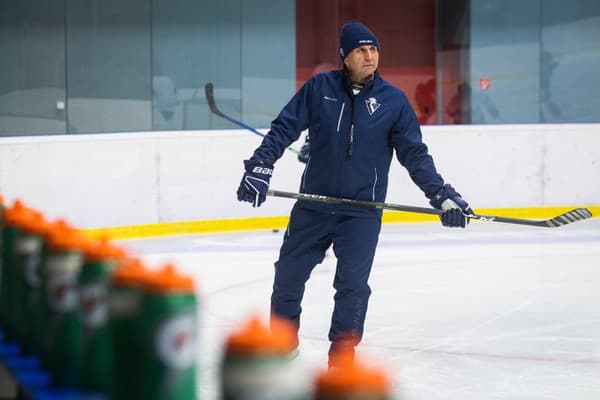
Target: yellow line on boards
280	222
190	227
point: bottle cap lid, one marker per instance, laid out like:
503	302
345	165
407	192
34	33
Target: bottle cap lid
100	250
59	225
351	378
168	280
131	272
26	218
120	253
62	236
255	338
16	214
37	223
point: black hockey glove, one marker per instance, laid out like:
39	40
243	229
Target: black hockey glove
456	209
255	182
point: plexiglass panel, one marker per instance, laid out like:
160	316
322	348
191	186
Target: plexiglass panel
195	43
108	65
80	66
32	69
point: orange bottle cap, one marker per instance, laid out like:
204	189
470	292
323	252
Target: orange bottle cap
132	272
120	253
351	378
37	223
25	218
255	338
61	236
58	225
167	280
121	256
17	214
100	250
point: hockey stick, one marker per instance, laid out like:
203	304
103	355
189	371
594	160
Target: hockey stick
212	104
568	217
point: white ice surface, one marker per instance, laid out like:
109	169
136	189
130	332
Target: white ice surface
494	311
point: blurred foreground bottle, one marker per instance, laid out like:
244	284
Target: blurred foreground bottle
257	363
29	247
61	341
352	380
1	266
11	232
168	328
101	258
125	298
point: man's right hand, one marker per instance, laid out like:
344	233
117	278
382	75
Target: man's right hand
255	182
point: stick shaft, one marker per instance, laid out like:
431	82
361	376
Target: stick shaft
568	217
361	203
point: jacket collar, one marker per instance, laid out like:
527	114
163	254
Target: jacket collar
348	83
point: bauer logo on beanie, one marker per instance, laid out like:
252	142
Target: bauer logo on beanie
353	35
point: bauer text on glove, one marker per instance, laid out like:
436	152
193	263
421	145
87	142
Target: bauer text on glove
255	182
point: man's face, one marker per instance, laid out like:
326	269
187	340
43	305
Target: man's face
362	63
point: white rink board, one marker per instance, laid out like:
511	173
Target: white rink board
119	179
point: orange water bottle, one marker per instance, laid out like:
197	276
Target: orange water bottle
167	325
257	363
61	350
352	379
125	299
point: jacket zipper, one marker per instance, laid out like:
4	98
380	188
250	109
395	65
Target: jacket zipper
340	117
351	144
374	185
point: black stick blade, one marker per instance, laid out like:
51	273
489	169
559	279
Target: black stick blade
575	215
210	99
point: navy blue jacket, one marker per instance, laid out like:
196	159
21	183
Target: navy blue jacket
352	139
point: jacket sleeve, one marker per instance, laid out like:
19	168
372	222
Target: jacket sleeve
286	128
412	153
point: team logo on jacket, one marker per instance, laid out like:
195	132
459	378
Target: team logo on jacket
372	105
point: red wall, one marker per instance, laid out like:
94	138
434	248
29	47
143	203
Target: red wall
406	31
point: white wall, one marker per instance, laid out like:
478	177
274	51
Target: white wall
110	180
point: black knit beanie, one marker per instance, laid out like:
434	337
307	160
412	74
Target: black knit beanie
353	35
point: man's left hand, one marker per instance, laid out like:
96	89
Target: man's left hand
304	154
456	209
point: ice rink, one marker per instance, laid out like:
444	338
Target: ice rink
495	311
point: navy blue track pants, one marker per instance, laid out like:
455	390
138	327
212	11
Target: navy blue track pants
308	235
